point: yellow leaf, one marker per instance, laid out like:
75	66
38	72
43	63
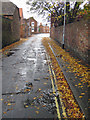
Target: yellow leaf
79	83
4	112
44	105
38	108
39	89
82	93
9	104
80	96
34	98
27	90
45	83
26	106
37	112
1	99
16	87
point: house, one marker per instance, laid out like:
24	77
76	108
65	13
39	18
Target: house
10	23
41	28
28	27
33	24
44	29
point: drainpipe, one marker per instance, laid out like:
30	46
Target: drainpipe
64	26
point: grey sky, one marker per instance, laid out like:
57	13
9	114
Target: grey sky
22	4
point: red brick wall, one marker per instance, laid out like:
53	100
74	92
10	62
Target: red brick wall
76	37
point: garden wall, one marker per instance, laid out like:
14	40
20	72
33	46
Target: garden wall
76	37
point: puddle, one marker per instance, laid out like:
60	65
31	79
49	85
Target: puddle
45	61
31	59
46	100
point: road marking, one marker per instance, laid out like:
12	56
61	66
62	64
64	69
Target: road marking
62	105
57	106
64	113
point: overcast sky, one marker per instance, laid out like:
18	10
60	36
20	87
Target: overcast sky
22	4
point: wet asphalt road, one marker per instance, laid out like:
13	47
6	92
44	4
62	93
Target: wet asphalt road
26	84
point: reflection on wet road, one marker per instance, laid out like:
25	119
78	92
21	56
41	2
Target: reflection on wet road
26	83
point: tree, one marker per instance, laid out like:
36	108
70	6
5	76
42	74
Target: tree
55	9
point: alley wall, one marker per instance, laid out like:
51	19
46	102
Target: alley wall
76	37
10	29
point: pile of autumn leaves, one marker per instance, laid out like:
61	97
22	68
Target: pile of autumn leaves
4	51
70	105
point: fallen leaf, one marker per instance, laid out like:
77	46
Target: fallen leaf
4	112
45	83
82	93
46	78
26	106
16	87
9	104
44	105
80	96
79	83
38	108
26	90
1	99
39	89
9	109
34	98
37	112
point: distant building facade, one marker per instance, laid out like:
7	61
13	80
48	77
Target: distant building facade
33	25
44	29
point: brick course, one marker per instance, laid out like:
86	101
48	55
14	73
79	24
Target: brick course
76	37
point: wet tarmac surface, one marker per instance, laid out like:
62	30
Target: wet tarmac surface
26	84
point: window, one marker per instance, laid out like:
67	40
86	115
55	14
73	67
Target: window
32	29
32	24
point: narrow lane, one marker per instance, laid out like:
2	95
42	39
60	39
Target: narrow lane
26	83
34	85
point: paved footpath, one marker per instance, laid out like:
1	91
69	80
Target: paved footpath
76	74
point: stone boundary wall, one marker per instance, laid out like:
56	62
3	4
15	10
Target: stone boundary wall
76	38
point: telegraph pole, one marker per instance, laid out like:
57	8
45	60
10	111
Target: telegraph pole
64	26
